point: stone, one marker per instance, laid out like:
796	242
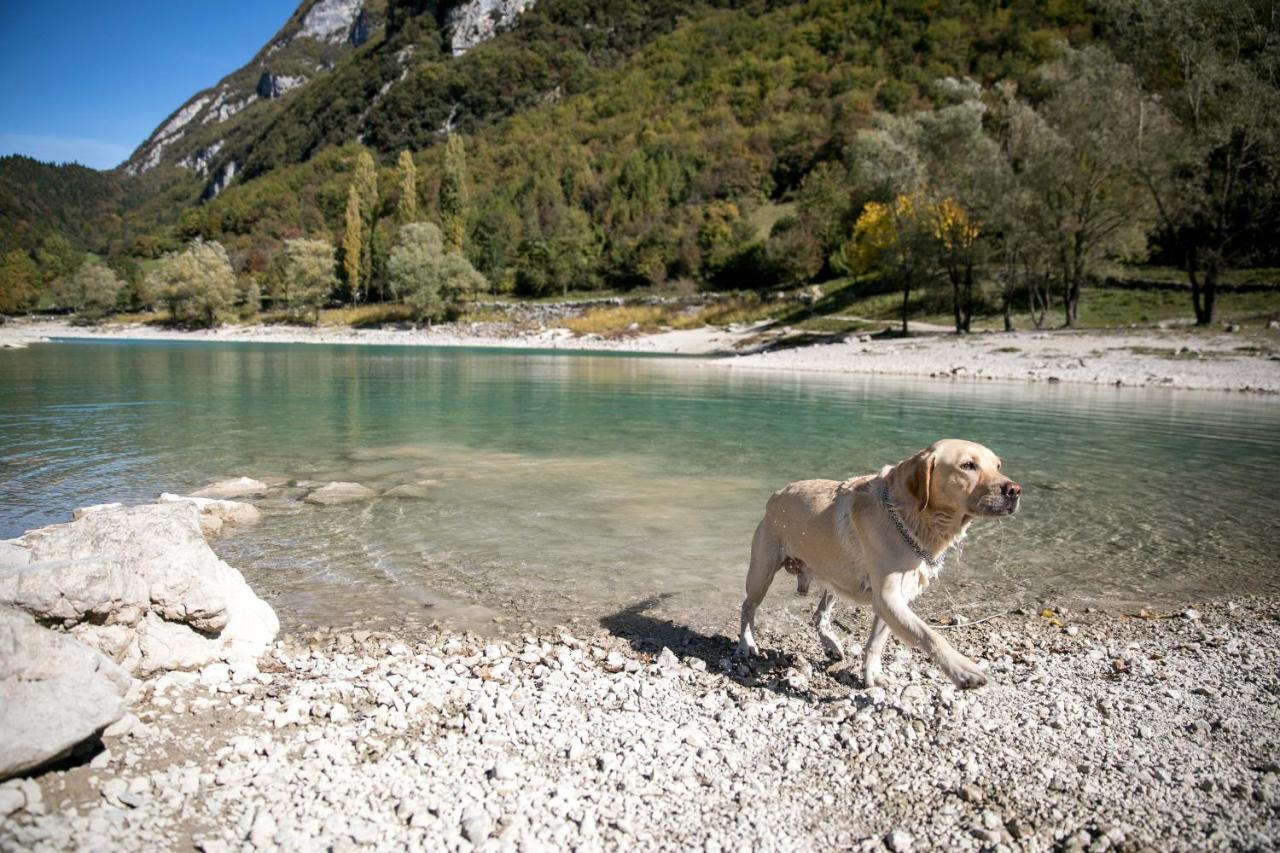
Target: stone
240	487
139	584
55	693
899	841
339	493
122	726
11	799
80	513
215	514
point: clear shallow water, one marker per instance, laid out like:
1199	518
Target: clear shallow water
561	488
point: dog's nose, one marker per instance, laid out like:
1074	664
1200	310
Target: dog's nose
1010	488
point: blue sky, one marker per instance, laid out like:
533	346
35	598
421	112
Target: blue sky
87	80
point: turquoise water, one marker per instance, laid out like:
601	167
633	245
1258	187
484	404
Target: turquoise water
558	488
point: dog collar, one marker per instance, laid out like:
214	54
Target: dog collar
913	543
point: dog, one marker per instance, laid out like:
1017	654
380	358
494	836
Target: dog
879	539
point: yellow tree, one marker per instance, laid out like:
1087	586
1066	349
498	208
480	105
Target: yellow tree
453	194
956	233
888	238
407	206
353	244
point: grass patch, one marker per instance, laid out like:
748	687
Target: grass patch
359	316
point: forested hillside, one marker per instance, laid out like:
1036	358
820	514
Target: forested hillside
989	154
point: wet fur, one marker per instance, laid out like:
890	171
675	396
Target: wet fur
839	533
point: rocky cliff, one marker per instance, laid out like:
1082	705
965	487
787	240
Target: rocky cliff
213	133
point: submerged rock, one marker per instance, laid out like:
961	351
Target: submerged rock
54	693
139	584
420	489
240	487
340	493
215	513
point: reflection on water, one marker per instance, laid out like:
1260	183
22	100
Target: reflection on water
558	488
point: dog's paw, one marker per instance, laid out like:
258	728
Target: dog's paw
748	649
832	648
966	676
874	677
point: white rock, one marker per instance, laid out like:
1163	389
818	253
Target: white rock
54	693
11	799
216	513
80	513
240	487
339	493
141	585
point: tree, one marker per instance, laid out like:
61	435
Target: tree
92	292
1075	155
57	260
353	244
427	278
302	277
453	194
1209	151
365	180
197	283
407	204
19	279
893	239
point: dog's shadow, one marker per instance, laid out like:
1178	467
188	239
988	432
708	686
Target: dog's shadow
648	634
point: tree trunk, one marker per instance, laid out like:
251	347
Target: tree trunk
968	296
906	299
1210	291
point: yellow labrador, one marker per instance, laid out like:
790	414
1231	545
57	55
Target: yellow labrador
879	539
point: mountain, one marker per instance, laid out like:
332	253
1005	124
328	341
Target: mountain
610	142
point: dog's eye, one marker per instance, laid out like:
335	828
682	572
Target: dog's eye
969	465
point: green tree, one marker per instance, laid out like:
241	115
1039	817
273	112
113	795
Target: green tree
1076	156
19	279
407	204
453	194
303	277
1208	151
197	283
353	244
92	292
430	280
57	260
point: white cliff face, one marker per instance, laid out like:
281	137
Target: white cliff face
470	23
221	182
275	85
200	161
331	20
167	135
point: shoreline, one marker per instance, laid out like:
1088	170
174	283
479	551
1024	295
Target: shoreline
1099	731
1154	358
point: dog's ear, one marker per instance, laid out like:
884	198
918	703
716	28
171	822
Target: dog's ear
917	477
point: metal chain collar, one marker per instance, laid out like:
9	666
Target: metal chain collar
910	538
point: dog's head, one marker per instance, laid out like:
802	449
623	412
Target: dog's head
959	476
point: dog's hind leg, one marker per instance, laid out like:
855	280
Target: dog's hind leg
822	621
871	653
766	559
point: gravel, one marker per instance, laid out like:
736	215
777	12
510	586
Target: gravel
658	738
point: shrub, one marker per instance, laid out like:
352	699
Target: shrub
197	283
429	280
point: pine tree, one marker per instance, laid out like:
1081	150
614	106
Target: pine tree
353	243
453	194
407	206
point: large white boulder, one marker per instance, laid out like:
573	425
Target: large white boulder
240	487
54	693
141	585
340	493
215	513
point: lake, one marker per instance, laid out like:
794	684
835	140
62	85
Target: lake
557	488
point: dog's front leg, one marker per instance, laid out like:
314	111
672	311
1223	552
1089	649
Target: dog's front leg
872	675
891	606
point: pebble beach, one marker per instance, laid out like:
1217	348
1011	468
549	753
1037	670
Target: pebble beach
1147	731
